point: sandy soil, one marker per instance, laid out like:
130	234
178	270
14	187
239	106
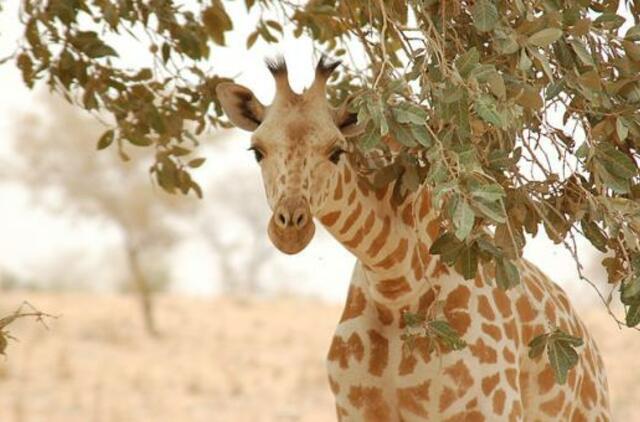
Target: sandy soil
218	360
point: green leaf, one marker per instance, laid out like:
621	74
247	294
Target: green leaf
485	106
467	262
561	352
446	335
139	140
412	319
166	52
196	162
594	234
421	135
621	129
633	315
545	37
630	290
507	274
106	139
562	356
616	162
370	140
463	219
485	15
537	345
582	52
447	246
409	113
467	62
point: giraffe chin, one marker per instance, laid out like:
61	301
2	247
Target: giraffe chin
291	240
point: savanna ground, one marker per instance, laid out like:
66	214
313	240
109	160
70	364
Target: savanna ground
217	360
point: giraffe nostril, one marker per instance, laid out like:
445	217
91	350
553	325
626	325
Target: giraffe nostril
282	219
300	221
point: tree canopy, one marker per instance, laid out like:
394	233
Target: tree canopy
517	114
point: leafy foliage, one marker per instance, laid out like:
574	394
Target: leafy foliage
75	47
561	352
516	114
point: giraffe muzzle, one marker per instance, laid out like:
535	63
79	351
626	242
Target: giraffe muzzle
291	227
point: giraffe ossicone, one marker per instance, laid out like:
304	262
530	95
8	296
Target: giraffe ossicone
301	144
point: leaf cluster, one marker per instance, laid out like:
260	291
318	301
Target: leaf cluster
439	335
516	114
75	48
561	352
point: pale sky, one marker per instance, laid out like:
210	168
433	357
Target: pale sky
32	238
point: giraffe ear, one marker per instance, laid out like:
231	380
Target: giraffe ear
347	121
240	105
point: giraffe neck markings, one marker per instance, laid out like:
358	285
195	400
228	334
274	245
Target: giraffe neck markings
392	242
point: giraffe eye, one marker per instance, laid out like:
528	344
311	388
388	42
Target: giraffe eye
335	155
258	154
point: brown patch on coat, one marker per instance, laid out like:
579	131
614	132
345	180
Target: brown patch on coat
385	315
553	406
508	355
447	397
351	219
363	186
426	300
372	403
395	257
546	380
416	264
534	288
337	193
341	351
352	198
502	301
379	357
525	310
489	383
493	331
485	309
425	205
578	416
346	176
341	412
550	311
380	239
330	218
355	240
516	412
410	398
356	304
588	393
499	398
483	352
433	228
460	376
335	387
531	331
456	309
407	215
512	378
393	288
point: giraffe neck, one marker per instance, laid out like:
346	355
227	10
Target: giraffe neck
391	241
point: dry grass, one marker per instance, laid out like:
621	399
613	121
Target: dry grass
219	360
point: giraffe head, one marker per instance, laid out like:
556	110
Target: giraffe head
298	141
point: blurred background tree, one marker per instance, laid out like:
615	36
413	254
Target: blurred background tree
53	153
516	114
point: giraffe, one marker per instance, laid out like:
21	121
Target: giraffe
301	145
